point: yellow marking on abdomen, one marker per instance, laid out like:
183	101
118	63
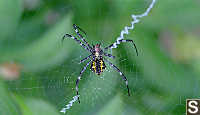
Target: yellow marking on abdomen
101	65
93	66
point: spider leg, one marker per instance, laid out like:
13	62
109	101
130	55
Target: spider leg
86	58
77	32
77	27
109	55
79	77
121	74
78	41
114	45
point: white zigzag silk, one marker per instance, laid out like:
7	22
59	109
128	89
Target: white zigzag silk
136	19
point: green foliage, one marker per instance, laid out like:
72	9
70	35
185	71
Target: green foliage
45	70
10	12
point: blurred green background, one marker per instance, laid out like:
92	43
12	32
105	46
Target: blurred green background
38	72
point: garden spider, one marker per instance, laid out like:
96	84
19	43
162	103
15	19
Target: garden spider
97	56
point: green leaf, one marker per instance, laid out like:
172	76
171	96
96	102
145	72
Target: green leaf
35	107
114	107
163	71
7	104
10	12
39	107
47	50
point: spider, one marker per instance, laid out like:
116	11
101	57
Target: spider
97	56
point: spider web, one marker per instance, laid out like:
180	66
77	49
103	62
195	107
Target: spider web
54	83
57	85
55	88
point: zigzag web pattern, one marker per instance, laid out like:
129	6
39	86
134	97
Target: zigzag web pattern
136	19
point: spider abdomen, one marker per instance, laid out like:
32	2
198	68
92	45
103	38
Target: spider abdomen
98	66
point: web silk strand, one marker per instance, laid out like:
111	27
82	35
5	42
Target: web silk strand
68	106
136	19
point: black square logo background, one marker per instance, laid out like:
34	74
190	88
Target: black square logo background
193	107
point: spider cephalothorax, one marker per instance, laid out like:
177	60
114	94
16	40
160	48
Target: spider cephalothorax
97	56
97	51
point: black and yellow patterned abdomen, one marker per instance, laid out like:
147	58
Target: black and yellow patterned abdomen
98	66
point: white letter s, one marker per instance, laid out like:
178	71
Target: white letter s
193	107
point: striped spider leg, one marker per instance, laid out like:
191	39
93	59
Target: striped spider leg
76	28
79	78
86	58
96	57
109	55
120	73
114	45
78	41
